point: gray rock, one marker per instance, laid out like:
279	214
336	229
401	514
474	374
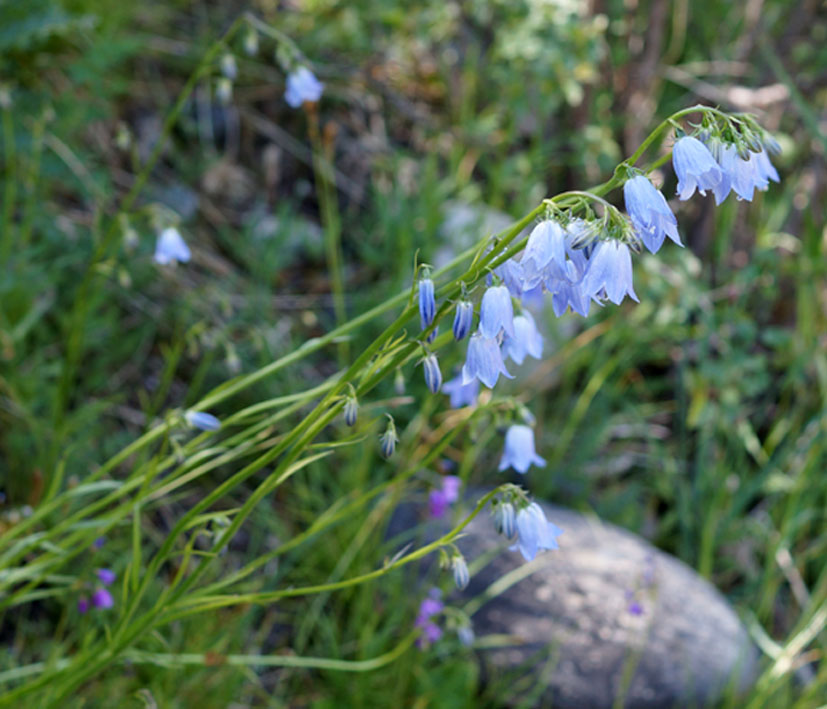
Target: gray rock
605	618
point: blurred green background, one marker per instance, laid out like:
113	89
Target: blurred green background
696	419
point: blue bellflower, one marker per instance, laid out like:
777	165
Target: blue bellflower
546	247
535	532
202	420
527	339
695	167
462	394
496	312
519	450
511	273
171	248
484	361
302	85
650	214
433	376
427	304
463	319
610	273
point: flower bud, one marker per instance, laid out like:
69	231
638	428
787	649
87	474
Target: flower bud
433	376
351	410
427	303
461	574
504	519
463	319
251	42
228	67
388	440
202	420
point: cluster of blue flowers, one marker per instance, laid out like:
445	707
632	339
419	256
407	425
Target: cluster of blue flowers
581	259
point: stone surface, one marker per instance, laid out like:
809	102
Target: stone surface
605	616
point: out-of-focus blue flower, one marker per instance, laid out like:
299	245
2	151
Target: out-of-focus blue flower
83	605
565	295
101	598
535	532
202	420
534	297
496	312
610	272
106	576
650	214
465	633
505	519
229	67
545	250
351	410
527	339
251	42
302	85
511	273
463	319
433	376
462	394
519	450
429	607
171	247
484	361
427	303
440	499
99	542
695	167
461	574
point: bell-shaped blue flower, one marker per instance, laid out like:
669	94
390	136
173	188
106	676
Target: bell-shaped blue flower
511	273
462	394
302	85
545	248
171	247
565	295
650	214
496	312
463	319
484	361
610	273
427	303
534	532
433	375
202	420
695	167
519	450
527	339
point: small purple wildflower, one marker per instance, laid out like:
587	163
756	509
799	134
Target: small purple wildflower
101	598
99	542
440	499
106	576
83	605
429	607
519	450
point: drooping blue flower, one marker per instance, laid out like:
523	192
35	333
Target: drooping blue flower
650	214
505	519
496	312
302	85
462	394
484	361
765	168
461	574
610	273
519	450
427	303
545	249
463	319
202	420
433	375
535	532
171	248
511	273
527	339
565	295
695	167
